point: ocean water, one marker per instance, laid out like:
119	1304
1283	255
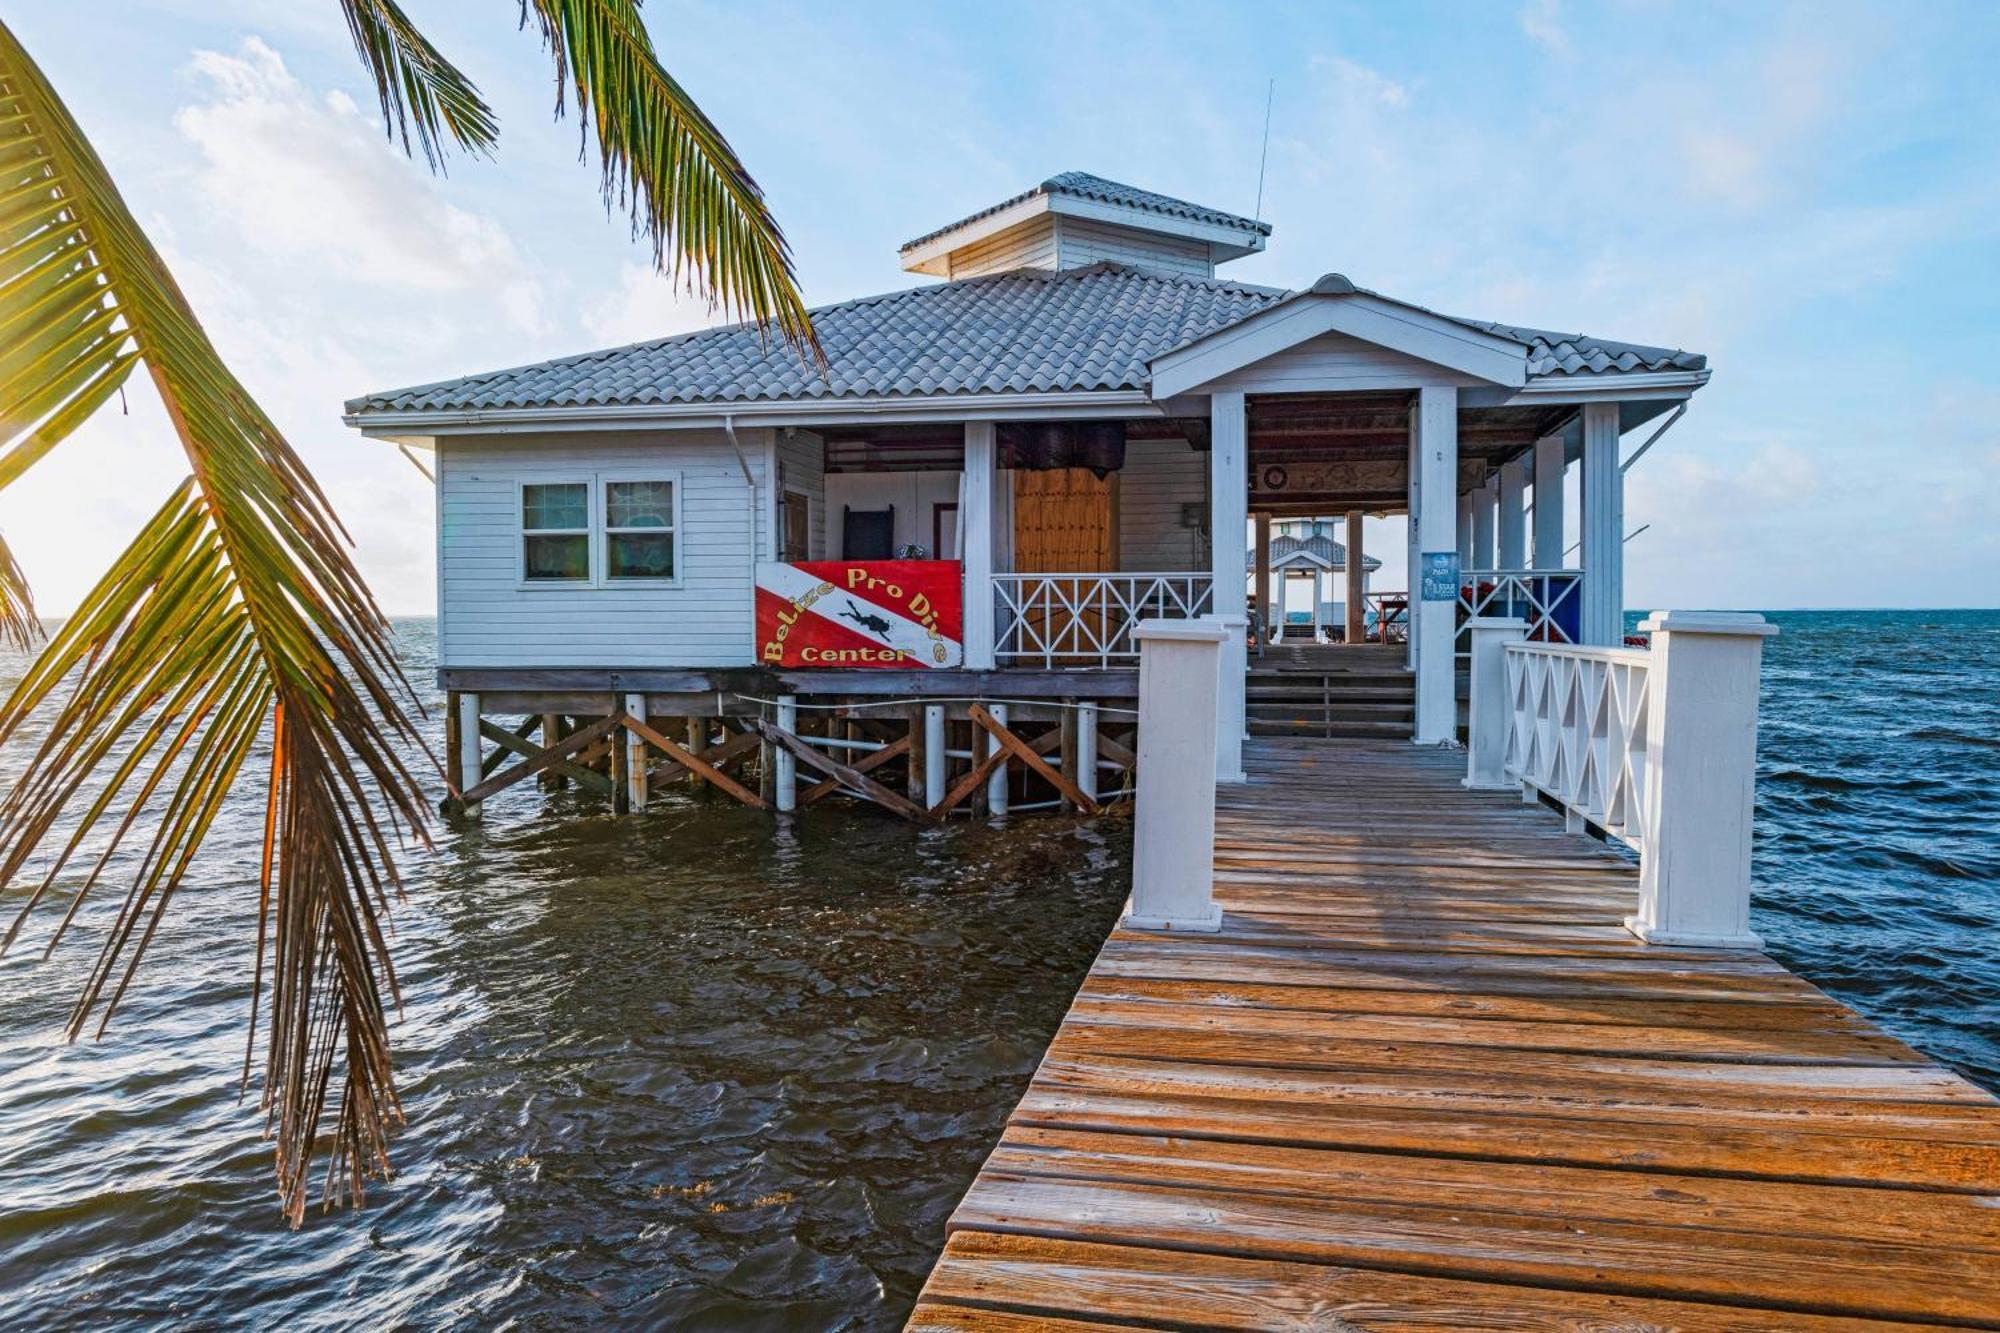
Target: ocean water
692	1070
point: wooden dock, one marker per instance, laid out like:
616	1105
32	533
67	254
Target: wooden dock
1424	1079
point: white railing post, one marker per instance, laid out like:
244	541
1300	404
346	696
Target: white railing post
1486	748
1701	739
1232	696
1173	837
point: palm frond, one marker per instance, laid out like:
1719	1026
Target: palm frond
235	615
662	156
18	626
419	89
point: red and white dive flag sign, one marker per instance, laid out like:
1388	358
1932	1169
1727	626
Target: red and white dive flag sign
871	613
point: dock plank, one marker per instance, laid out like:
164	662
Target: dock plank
1423	1079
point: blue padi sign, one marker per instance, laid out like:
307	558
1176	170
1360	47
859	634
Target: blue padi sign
1440	576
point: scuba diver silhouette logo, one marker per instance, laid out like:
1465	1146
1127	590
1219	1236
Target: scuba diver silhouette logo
875	625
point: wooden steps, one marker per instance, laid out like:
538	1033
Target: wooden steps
1423	1079
1327	691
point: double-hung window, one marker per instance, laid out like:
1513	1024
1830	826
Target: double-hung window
600	529
555	532
638	530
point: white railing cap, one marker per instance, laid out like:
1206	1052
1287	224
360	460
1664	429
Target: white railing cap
1497	622
1181	631
1708	622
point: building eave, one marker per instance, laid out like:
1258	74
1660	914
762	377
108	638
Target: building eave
1065	405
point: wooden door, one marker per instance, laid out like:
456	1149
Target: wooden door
1064	522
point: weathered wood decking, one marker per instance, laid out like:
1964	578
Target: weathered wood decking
1423	1079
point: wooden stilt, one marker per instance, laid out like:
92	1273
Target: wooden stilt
697	742
635	753
552	731
1069	746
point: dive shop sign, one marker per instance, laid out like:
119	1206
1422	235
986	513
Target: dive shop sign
868	613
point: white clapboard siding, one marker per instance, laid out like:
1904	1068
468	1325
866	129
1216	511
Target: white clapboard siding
802	467
1080	241
1159	477
487	618
1031	244
1335	362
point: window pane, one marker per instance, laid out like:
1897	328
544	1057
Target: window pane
558	505
638	504
566	557
639	556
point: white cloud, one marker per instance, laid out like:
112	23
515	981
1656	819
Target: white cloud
645	304
1541	20
313	180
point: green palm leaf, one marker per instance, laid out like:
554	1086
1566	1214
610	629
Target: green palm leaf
236	619
419	89
689	195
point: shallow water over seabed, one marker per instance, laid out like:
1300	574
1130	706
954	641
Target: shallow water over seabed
693	1069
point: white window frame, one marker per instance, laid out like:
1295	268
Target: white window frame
601	517
598	532
522	531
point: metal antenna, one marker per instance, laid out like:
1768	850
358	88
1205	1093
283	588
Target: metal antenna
1264	156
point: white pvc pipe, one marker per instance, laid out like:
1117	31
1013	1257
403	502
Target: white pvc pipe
996	786
786	770
935	755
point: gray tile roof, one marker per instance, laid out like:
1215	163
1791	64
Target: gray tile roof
1083	185
1029	330
1551	353
1326	548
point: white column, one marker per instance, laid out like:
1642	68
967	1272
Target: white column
1513	525
1085	776
1701	743
936	762
1464	528
1319	595
1263	579
1413	492
469	758
1485	503
975	543
1434	623
1486	739
635	755
1603	528
996	785
784	764
1173	833
1549	463
1357	617
1229	519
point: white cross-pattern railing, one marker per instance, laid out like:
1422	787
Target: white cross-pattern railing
1576	731
1068	620
1545	598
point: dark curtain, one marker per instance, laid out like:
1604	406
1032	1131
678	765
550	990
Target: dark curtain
1039	446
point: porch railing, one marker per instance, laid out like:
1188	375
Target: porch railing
1086	620
1576	731
1549	600
1388	615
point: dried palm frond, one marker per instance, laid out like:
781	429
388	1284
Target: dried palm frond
18	626
236	607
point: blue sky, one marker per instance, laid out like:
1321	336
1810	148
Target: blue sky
1808	193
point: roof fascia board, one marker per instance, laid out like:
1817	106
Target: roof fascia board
930	256
1387	324
1607	386
1115	404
